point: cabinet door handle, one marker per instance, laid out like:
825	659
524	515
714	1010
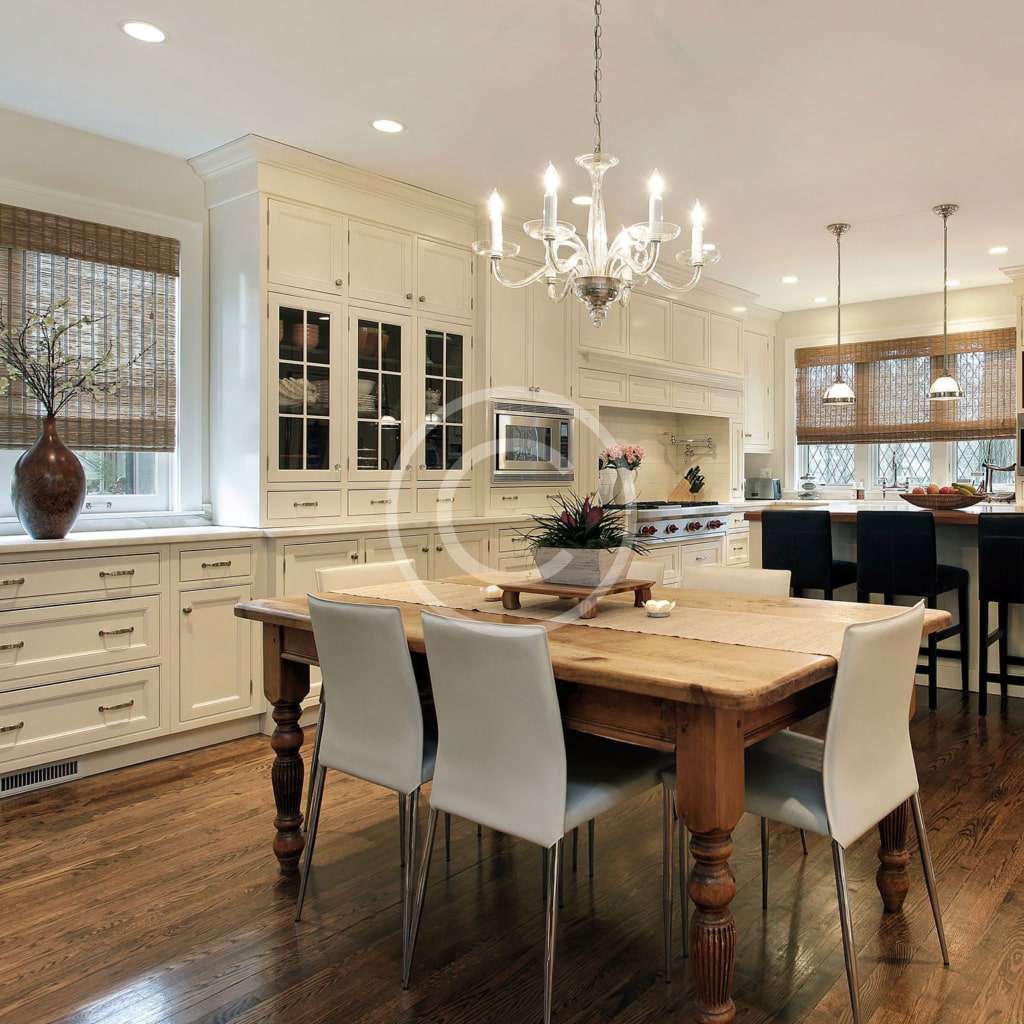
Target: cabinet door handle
354	556
338	282
121	631
116	707
423	298
12	728
305	504
424	550
13	581
408	295
439	548
16	646
108	573
380	501
215	565
445	501
187	610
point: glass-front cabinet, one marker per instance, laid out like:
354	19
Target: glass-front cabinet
443	362
379	395
305	439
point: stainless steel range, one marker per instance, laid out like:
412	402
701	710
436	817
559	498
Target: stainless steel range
655	521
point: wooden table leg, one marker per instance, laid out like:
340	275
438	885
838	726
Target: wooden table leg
510	600
286	684
892	878
709	766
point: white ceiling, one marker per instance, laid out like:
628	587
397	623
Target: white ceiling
780	116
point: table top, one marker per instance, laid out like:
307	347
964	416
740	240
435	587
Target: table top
722	675
846	511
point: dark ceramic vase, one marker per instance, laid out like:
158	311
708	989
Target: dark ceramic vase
48	486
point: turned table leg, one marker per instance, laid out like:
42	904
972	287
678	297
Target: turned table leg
286	684
709	769
893	855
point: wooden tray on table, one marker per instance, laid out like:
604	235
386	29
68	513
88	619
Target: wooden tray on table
587	596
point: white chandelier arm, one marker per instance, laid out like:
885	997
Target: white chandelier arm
680	289
579	254
623	256
539	273
556	294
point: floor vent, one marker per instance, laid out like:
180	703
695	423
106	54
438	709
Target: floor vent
36	778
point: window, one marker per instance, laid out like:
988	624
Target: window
896	462
970	456
831	465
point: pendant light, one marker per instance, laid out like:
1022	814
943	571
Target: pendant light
838	392
945	388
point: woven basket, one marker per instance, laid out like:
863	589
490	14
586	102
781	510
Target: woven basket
943	502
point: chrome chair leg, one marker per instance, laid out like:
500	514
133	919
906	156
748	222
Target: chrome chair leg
401	829
554	863
314	764
590	847
849	950
421	888
764	863
667	870
803	841
929	873
410	805
447	838
317	796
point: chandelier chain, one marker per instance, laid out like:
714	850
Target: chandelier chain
945	293
597	76
839	304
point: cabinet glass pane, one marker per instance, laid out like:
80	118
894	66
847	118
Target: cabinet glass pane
433	399
379	395
318	337
443	389
453	446
391	348
366	445
434	362
289	442
391	396
453	401
368	398
454	355
290	333
368	345
318	392
318	439
390	445
433	448
291	388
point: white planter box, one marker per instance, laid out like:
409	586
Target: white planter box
584	567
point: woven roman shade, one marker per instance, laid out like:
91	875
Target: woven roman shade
891	380
128	280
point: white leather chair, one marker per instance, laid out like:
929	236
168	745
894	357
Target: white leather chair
863	770
503	759
371	723
750	582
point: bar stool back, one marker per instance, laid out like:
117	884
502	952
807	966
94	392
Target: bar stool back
1000	582
801	541
896	554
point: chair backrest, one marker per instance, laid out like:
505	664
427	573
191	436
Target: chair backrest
344	577
373	722
868	767
1001	557
753	582
896	553
648	568
800	541
500	745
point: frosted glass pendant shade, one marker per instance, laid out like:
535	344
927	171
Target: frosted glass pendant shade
838	393
944	389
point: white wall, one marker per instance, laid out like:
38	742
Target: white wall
47	166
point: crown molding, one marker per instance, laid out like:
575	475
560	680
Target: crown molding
927	330
599	360
1015	273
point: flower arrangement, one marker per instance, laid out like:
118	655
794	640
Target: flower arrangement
621	456
580	523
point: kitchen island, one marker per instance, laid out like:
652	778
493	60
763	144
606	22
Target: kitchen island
956	540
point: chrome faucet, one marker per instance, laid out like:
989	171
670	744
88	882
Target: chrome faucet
990	470
897	484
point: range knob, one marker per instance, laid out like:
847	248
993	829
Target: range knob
648	531
715	524
672	528
693	525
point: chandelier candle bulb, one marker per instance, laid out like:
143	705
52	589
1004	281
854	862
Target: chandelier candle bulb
550	200
495	208
697	218
655	214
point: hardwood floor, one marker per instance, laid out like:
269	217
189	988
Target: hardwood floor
151	894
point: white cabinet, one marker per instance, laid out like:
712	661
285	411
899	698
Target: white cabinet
737	472
610	336
700	553
759	403
444	376
650	327
548	344
726	345
380	264
305	247
725	402
300	562
444	279
690	334
459	552
215	653
416	547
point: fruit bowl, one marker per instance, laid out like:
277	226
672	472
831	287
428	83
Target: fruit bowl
943	502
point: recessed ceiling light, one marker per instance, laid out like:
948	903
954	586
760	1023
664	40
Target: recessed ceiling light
952	282
385	124
739	309
790	279
821	300
998	250
143	31
582	200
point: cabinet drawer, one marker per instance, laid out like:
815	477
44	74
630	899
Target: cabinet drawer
62	716
521	499
301	562
667	558
601	385
446	500
214	563
512	540
709	553
114	574
689	396
42	642
725	401
303	504
738	521
379	502
738	549
513	563
649	392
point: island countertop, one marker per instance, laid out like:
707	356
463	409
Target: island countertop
846	511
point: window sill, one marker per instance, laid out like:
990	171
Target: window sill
99	522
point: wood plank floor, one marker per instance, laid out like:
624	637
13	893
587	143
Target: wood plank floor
150	895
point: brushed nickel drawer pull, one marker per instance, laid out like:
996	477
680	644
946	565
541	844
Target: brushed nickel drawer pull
305	504
216	565
12	728
380	501
122	631
445	501
13	581
551	497
354	556
510	497
117	707
106	573
16	646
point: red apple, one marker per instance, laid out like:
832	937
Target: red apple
918	490
946	490
933	488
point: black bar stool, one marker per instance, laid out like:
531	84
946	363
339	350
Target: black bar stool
1001	582
802	543
896	554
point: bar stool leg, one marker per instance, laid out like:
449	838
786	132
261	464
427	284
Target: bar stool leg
863	596
965	640
983	657
933	663
1004	648
828	594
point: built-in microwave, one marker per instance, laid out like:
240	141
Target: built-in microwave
531	442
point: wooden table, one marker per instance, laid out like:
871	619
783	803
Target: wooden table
706	701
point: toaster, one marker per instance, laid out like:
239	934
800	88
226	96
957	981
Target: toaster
762	488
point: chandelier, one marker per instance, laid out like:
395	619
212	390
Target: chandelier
945	388
838	392
599	272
